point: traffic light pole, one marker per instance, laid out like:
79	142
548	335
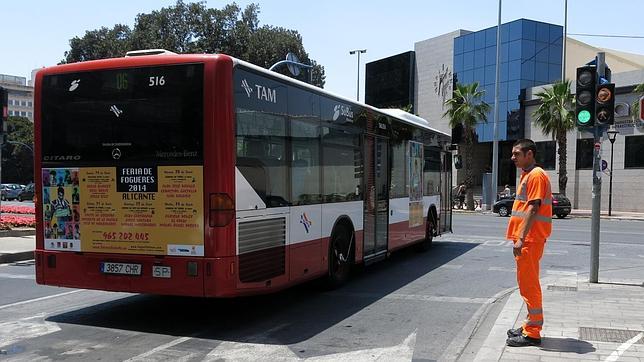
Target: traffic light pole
597	187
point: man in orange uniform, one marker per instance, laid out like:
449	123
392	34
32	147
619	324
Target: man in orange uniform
529	227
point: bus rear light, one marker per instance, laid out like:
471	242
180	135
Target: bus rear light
222	210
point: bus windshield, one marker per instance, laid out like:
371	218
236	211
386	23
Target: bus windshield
133	114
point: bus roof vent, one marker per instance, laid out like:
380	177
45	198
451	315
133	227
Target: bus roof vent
136	53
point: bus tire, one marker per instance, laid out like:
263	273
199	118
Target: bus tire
430	230
339	263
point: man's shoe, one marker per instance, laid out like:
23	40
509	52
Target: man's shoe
523	341
515	332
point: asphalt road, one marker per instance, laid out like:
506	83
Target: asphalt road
414	305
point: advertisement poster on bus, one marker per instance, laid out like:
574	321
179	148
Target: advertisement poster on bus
415	184
61	217
154	210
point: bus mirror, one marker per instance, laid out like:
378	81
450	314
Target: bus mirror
458	162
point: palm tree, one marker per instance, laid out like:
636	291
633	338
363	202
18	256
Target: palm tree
555	117
466	108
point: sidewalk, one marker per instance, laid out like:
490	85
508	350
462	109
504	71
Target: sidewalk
583	322
615	215
17	245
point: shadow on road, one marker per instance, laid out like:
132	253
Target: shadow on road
287	317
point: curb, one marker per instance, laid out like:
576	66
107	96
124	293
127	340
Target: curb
17	232
492	349
454	351
494	345
21	256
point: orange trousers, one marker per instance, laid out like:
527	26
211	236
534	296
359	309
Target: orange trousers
529	286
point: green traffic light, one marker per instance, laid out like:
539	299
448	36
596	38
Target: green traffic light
583	117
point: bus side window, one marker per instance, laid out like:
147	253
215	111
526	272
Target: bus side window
255	173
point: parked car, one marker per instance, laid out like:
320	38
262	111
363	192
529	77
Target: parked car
10	191
560	205
27	193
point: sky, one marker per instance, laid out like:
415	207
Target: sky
37	33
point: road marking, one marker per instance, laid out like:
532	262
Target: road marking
626	345
641	256
607	255
450	266
143	356
556	252
39	299
497	242
456	238
603	231
401	352
501	269
12	332
17	276
234	351
561	272
165	353
417	297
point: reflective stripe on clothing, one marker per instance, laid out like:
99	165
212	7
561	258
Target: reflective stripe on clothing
534	185
524	215
530	287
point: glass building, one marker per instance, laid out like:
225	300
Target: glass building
531	54
389	82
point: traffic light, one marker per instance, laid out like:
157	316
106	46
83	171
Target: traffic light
585	96
605	104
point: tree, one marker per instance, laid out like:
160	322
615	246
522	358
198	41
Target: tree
195	28
466	109
17	157
555	117
99	44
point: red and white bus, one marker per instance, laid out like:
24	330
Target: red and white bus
203	175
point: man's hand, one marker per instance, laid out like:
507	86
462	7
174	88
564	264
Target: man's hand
516	250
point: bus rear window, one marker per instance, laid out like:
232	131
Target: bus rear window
132	114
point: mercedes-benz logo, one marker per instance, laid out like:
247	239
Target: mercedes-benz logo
116	153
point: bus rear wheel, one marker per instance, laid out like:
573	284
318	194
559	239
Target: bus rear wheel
340	256
430	230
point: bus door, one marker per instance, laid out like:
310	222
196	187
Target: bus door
376	205
446	193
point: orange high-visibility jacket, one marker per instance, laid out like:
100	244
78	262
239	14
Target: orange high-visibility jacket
534	185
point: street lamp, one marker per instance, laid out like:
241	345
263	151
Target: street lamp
612	134
358	51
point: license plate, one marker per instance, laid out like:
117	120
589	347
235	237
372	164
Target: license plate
120	268
161	271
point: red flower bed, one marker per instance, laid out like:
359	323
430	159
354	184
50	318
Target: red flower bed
11	209
11	221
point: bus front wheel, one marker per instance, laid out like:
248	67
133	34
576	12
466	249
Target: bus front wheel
340	256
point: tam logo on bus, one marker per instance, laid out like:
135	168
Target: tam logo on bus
263	93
